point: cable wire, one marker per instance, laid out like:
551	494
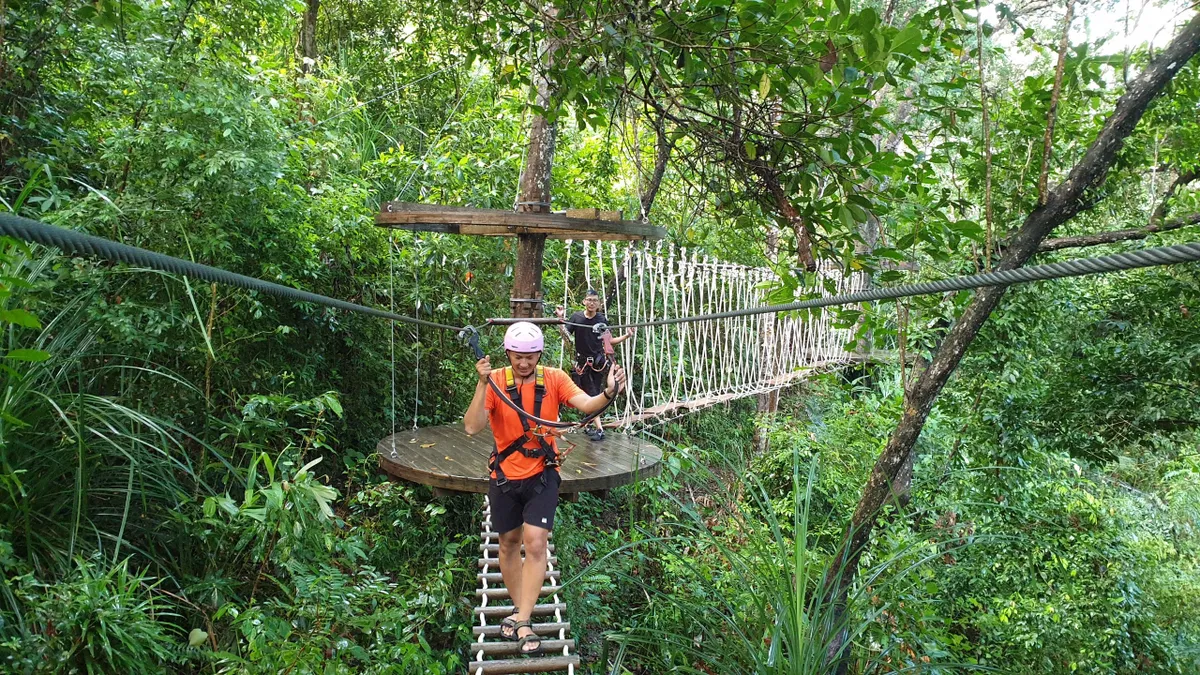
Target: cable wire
1150	257
86	245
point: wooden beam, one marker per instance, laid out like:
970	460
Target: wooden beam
498	223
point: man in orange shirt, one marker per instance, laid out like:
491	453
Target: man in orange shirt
524	481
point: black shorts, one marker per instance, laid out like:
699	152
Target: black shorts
529	500
591	381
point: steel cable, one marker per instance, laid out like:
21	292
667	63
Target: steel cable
78	243
86	245
1150	257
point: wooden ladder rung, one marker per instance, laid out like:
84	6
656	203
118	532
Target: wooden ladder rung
504	648
547	664
495	548
495	562
494	535
539	628
501	593
496	577
504	610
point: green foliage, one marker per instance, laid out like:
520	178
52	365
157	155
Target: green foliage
98	619
187	473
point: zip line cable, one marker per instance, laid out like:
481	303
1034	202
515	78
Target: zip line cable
1150	257
86	245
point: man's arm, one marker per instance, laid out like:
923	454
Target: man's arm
628	334
475	420
590	404
561	313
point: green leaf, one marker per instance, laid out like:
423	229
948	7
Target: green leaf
764	87
196	637
846	217
20	317
908	41
31	355
751	149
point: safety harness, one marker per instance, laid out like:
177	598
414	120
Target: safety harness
544	450
598	365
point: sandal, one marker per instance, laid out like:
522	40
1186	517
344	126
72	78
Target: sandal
532	637
510	623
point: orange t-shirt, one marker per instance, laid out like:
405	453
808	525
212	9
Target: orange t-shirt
506	424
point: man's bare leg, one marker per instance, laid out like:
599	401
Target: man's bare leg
511	569
533	573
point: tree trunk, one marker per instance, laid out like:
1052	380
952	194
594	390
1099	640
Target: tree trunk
534	194
663	147
769	402
1062	203
308	37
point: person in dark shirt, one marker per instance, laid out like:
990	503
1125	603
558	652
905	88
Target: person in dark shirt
591	359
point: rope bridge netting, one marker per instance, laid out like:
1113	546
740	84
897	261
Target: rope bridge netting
706	334
687	366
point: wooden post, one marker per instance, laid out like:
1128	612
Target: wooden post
535	192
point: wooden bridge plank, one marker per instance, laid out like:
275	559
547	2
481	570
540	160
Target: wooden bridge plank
505	648
494	562
501	593
539	628
495	577
524	665
501	611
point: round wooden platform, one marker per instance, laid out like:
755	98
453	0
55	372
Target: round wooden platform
447	458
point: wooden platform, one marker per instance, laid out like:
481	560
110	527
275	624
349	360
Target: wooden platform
447	458
497	223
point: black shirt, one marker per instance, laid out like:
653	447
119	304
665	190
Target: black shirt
587	341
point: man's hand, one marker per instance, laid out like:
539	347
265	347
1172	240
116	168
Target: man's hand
616	381
560	312
484	368
630	331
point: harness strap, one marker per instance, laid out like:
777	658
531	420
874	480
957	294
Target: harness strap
590	363
546	451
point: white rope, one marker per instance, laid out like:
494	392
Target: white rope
689	366
566	296
417	342
392	327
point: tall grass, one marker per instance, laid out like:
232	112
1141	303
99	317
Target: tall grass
754	599
83	471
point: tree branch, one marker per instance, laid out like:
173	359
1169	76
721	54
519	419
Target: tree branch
1062	203
804	253
1060	243
663	146
1160	212
1052	113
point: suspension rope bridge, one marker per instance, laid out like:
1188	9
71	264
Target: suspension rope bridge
73	242
708	338
742	347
